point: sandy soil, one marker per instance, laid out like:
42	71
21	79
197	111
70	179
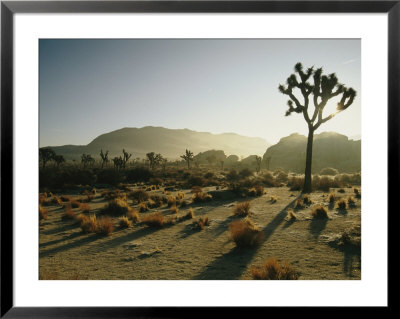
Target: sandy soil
179	252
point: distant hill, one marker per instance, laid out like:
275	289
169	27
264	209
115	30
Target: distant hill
330	149
171	143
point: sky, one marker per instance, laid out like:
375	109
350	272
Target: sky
89	87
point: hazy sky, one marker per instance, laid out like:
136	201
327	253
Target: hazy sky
91	87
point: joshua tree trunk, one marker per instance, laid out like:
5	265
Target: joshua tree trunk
307	173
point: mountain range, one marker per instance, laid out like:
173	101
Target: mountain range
171	143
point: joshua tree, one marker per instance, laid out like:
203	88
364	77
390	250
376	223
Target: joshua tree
104	158
46	155
154	159
322	90
87	159
59	159
258	163
188	157
267	161
126	158
118	163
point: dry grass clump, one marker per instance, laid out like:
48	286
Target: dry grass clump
201	222
273	199
245	233
171	201
68	212
174	209
299	204
42	213
75	204
272	270
124	222
139	195
180	195
331	198
116	207
242	209
143	207
307	200
291	215
154	220
342	204
89	224
319	212
201	197
85	208
133	215
80	217
351	202
104	226
189	215
256	191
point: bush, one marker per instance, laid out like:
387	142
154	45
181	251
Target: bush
320	212
68	213
245	172
256	191
104	226
201	197
242	209
138	174
139	195
201	222
88	224
133	215
329	171
245	233
195	181
272	270
124	222
116	207
108	176
154	220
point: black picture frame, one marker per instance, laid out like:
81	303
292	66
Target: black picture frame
9	8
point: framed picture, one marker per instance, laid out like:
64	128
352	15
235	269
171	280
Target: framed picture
183	149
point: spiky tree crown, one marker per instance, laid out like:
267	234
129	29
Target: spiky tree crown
323	89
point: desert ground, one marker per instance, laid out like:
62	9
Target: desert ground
179	250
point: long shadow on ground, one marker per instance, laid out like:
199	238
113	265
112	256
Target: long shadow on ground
232	264
317	225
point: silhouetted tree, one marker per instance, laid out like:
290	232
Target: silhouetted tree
154	159
86	160
322	90
45	155
258	163
126	158
59	159
188	157
118	163
104	158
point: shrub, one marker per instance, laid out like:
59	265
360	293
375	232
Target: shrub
138	174
273	199
104	226
242	209
88	224
139	195
272	270
154	220
298	204
256	191
124	222
180	195
156	199
245	172
116	207
143	207
342	204
351	202
319	212
174	209
307	200
75	204
42	213
195	181
201	222
133	215
331	198
245	233
329	171
296	183
68	213
171	201
201	197
291	215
